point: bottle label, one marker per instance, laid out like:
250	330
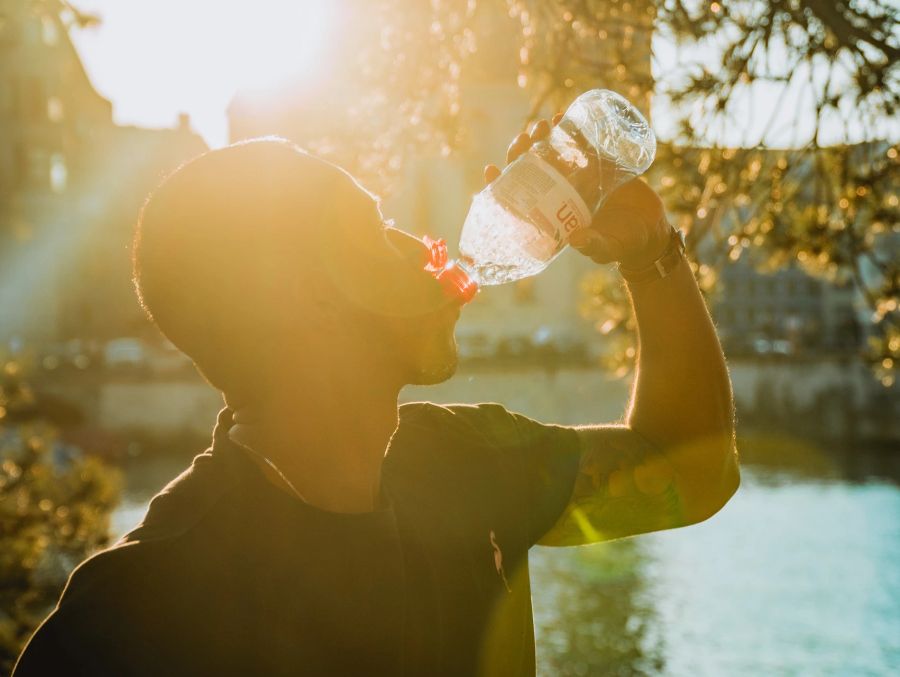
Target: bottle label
535	189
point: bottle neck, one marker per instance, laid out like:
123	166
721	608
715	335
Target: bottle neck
458	280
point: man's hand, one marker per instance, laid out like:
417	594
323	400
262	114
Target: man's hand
630	226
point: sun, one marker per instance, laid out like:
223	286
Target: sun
156	60
280	43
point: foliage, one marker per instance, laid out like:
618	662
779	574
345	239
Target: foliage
831	208
54	511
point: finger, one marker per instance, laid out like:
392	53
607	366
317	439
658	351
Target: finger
491	172
539	130
594	245
518	146
557	118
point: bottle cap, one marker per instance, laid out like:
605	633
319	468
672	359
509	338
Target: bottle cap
437	255
455	281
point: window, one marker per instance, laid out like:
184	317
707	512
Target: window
59	173
33	167
7	95
8	166
6	32
31	30
38	164
49	31
20	165
35	104
55	112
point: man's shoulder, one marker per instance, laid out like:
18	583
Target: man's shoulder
142	557
478	426
120	564
100	593
430	433
185	501
488	422
463	416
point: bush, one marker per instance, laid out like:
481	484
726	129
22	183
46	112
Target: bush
55	504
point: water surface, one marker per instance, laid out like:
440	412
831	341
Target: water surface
792	577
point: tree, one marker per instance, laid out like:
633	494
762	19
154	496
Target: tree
55	505
828	202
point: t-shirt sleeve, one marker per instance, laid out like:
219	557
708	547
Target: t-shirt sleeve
537	464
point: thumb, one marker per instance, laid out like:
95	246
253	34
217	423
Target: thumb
594	245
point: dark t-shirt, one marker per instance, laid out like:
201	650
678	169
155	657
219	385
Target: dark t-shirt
228	574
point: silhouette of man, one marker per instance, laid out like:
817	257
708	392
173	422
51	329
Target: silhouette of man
328	531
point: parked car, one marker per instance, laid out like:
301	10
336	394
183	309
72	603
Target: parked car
474	346
125	353
515	347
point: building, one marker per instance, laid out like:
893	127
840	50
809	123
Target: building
71	186
786	311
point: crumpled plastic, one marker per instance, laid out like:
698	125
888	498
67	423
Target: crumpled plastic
615	128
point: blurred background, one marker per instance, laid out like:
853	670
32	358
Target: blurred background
778	129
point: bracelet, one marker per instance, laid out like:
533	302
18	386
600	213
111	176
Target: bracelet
663	266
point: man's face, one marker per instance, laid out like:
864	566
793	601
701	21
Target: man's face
406	319
426	339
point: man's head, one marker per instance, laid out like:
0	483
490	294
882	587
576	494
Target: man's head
262	262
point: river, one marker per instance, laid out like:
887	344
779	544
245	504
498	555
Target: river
799	574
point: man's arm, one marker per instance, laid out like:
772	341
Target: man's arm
674	461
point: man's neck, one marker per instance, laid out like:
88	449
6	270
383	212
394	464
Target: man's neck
329	446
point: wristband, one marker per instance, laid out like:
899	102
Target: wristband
663	266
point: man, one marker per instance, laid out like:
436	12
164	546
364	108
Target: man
327	531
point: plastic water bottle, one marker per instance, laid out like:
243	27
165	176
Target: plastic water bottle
523	219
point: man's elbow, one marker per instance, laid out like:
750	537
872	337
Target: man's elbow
713	491
728	489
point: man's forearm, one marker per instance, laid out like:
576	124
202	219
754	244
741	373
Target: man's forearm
682	398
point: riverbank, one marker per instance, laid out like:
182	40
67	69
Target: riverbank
826	400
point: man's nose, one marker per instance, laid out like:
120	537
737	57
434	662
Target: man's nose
422	256
408	246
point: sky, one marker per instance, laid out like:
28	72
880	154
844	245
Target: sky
156	59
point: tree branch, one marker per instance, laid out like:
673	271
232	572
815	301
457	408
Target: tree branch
829	12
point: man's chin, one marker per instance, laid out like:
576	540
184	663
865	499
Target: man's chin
436	371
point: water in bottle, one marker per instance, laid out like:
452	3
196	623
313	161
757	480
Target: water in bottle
522	220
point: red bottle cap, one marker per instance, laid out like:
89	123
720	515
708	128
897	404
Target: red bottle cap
437	255
455	281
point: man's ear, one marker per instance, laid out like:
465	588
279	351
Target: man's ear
313	299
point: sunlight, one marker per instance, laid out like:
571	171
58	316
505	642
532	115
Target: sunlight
281	44
155	60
